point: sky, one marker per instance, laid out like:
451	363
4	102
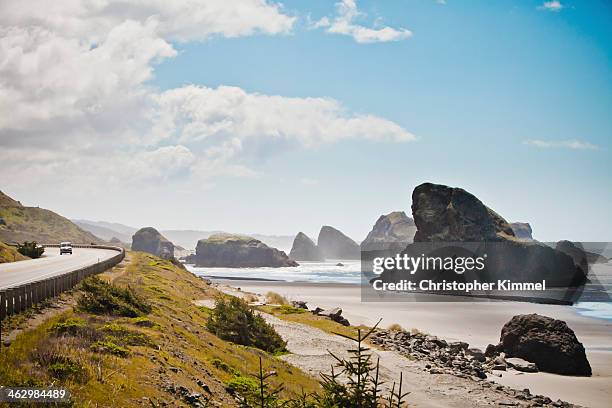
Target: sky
256	116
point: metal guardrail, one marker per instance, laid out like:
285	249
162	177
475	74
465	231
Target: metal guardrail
19	298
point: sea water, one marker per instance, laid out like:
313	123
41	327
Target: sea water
326	272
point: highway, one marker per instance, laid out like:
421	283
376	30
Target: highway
51	264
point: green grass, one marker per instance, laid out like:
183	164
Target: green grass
10	254
173	334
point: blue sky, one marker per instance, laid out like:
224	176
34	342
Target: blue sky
252	116
475	81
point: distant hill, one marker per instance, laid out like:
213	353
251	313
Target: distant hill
187	239
103	232
19	223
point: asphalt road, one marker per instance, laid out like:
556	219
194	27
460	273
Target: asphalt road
51	264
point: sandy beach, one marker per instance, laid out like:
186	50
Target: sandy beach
478	323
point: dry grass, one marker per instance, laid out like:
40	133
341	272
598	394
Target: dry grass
395	327
122	361
274	298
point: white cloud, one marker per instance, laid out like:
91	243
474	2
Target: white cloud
181	20
307	181
344	23
197	113
567	144
76	105
554	6
442	2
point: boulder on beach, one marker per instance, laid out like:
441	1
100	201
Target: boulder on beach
238	251
393	230
547	342
522	230
452	222
149	240
304	249
335	245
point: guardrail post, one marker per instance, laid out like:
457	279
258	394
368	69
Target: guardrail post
10	301
28	297
19	294
35	292
47	294
2	304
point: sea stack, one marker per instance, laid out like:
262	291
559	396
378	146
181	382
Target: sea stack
149	240
238	251
393	230
335	245
304	249
452	221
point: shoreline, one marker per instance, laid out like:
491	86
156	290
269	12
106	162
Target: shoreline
475	321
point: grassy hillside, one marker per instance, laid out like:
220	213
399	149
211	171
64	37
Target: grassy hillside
159	357
10	254
21	223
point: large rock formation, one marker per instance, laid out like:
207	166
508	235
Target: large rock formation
443	213
455	223
149	240
304	249
547	342
581	257
335	245
237	251
395	230
522	230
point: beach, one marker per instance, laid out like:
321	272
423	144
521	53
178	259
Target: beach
477	322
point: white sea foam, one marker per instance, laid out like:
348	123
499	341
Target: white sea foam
306	272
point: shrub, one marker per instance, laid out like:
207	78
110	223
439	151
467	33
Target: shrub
68	326
288	309
233	320
276	299
223	366
100	297
395	327
30	249
65	370
59	365
109	347
245	386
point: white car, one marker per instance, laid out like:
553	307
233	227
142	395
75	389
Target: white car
66	248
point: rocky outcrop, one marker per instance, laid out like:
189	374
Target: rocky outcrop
522	230
394	230
459	224
149	240
547	342
237	251
304	249
443	213
335	245
581	257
